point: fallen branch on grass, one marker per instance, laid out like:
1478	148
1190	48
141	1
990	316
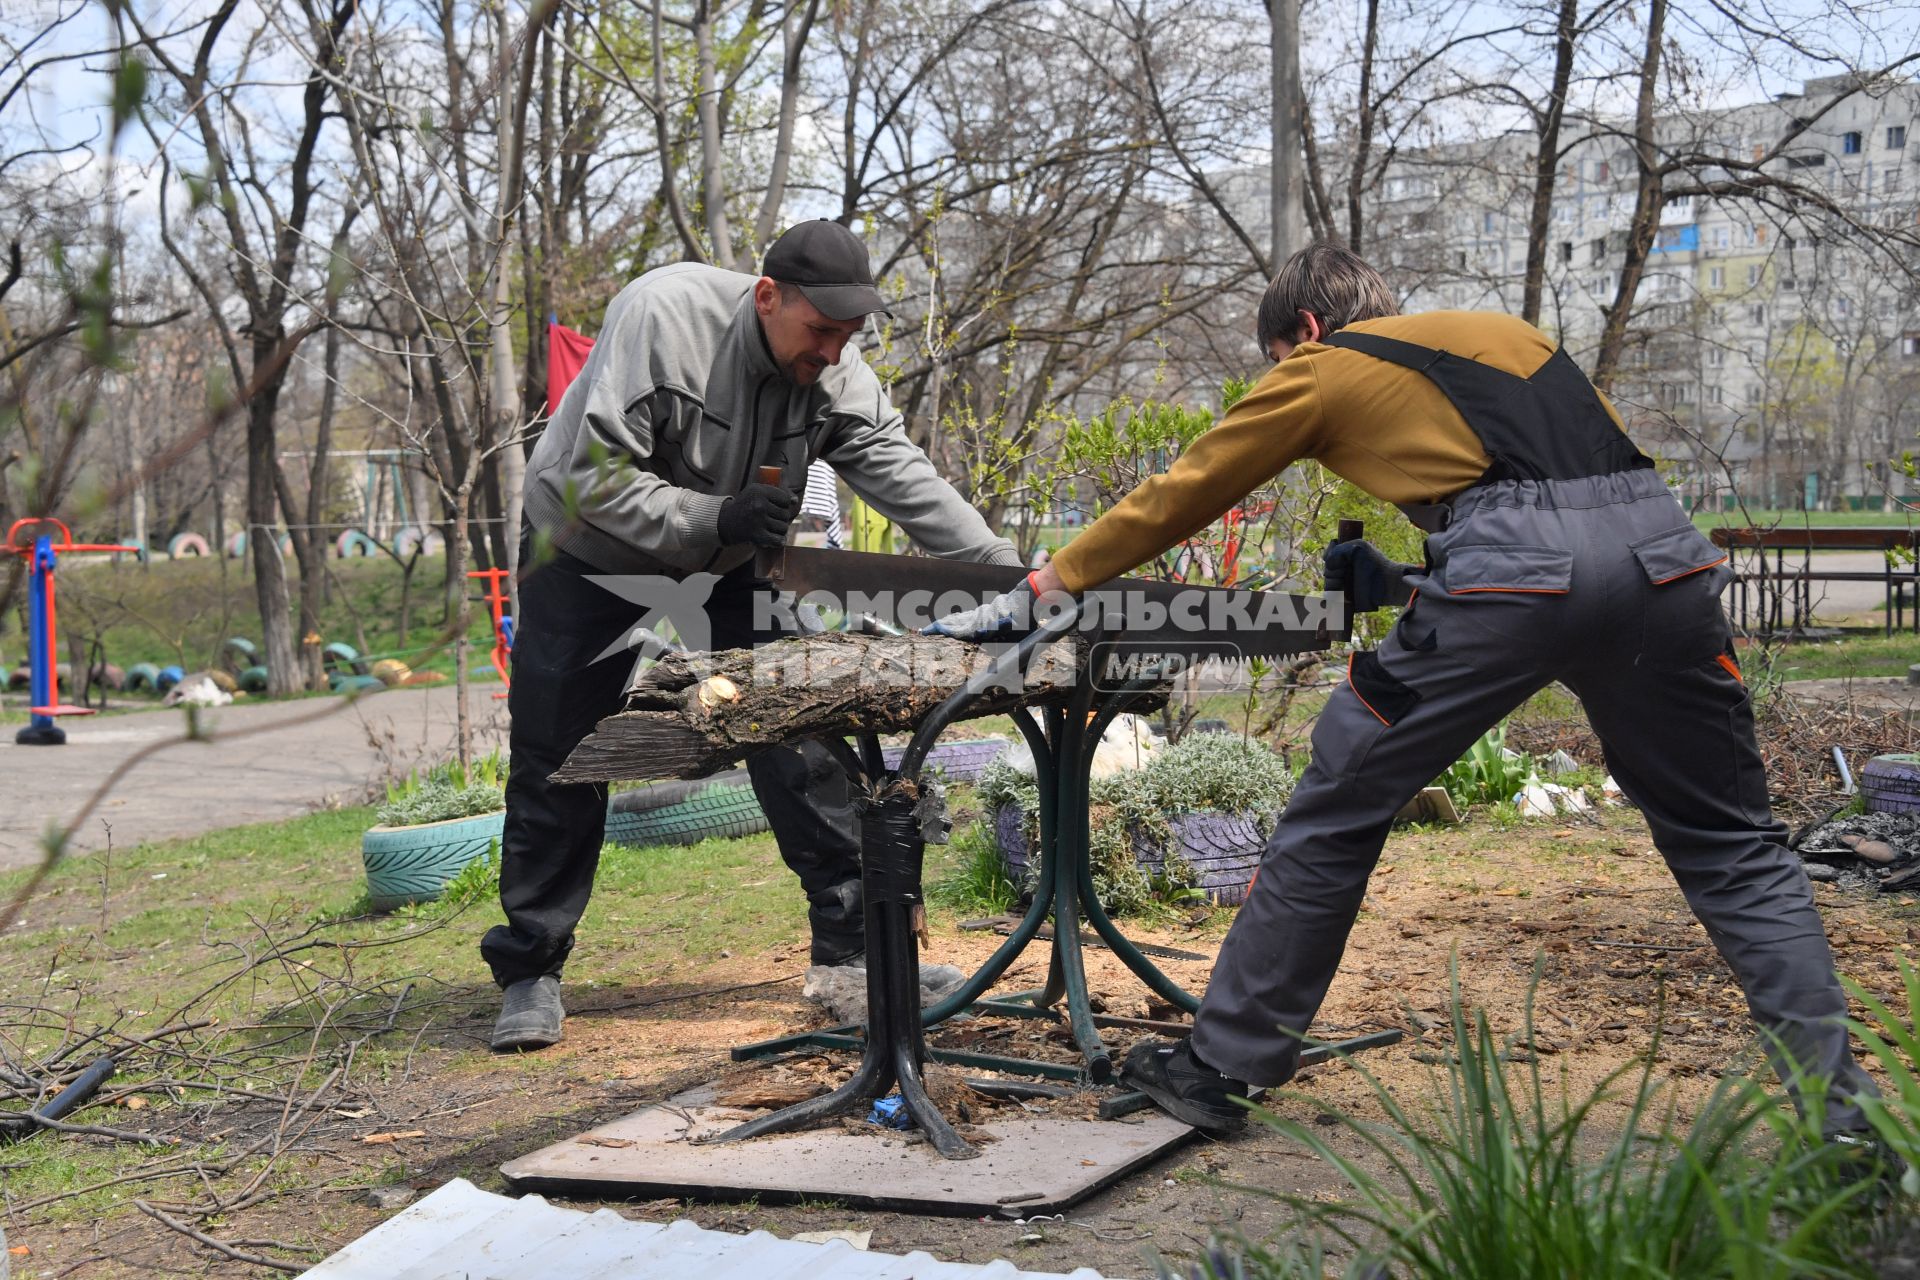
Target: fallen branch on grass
220	1246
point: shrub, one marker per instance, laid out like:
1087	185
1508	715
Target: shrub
1204	771
446	790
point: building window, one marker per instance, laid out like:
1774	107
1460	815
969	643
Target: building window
1603	172
1716	277
1486	221
1566	251
1753	274
1889	179
1715	395
1850	144
1910	345
1896	137
1716	357
1757	315
1843	307
1753	393
1600	249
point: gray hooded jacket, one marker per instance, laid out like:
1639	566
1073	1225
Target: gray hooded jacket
680	402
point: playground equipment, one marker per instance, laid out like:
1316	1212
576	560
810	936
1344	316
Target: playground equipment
502	623
182	545
34	539
352	542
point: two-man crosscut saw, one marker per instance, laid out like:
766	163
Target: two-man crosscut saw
1133	615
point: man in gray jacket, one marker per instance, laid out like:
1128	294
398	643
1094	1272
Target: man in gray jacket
648	471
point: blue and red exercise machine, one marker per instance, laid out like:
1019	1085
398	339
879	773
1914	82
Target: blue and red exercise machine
35	540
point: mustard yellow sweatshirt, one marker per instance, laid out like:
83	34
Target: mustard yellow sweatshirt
1385	427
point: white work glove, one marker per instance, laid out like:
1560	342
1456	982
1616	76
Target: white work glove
1007	615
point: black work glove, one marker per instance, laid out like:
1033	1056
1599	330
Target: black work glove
1369	579
759	513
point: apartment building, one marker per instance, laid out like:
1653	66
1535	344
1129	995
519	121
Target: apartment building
1774	348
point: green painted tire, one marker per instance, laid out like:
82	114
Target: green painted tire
338	658
239	653
721	807
254	680
413	864
143	677
337	683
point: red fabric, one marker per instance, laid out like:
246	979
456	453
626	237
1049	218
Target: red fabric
566	354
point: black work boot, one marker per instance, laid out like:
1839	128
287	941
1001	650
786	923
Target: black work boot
1184	1087
530	1016
839	924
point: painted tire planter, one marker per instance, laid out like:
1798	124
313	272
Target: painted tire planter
1224	849
143	677
722	806
413	863
1891	784
957	761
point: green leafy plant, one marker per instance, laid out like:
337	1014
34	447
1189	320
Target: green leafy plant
446	790
978	880
1502	1178
1130	810
1890	1038
1488	773
477	882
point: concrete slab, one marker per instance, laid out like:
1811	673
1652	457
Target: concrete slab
1035	1164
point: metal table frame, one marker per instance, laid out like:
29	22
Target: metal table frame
893	1045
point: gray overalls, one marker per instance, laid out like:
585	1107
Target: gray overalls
1569	561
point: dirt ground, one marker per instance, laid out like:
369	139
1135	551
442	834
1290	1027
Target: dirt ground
1619	956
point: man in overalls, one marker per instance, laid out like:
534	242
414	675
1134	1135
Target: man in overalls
1555	553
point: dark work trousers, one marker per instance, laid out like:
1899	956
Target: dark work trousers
1603	584
551	846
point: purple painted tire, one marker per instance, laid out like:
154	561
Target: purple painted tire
956	761
1891	784
1224	849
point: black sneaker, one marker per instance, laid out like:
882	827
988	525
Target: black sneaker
1861	1157
1186	1088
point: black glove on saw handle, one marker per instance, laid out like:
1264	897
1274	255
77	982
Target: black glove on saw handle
1369	580
759	513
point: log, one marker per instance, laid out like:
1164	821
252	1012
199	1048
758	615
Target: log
692	714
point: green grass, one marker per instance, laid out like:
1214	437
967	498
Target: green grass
183	611
181	917
1857	657
1758	518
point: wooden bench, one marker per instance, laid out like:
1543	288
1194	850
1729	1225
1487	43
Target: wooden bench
1780	597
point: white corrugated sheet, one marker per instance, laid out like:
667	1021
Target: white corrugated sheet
463	1233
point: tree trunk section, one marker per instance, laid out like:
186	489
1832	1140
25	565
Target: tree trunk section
694	713
1546	162
1646	206
269	573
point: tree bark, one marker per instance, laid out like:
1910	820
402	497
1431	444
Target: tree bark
694	713
1289	120
713	170
1546	161
1648	201
269	572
